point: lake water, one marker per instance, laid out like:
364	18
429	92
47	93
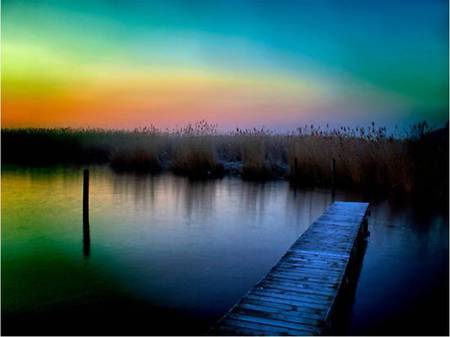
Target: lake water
168	255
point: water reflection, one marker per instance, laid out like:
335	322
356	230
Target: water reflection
193	247
86	240
86	231
192	199
136	188
313	201
197	198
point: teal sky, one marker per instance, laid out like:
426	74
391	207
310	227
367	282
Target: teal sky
330	61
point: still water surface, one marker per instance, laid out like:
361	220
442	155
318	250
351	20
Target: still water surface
170	256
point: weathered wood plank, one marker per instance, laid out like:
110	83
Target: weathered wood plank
301	284
284	311
298	295
295	319
264	329
283	306
273	323
304	282
300	302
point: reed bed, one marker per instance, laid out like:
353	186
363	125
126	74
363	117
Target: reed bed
193	151
366	157
138	151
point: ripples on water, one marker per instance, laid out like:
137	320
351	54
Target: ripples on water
169	255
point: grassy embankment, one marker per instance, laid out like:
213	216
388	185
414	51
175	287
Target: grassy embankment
366	158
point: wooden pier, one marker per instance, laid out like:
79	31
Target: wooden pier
299	294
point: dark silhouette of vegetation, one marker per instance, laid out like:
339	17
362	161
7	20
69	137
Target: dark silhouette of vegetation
366	157
429	150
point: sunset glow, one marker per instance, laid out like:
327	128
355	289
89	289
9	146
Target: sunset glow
127	64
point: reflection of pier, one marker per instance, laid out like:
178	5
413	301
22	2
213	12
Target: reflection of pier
86	232
299	295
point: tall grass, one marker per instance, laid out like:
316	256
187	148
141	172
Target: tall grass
193	150
139	151
366	158
260	152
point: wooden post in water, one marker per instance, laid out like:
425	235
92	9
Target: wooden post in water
333	172
86	231
295	168
333	178
86	196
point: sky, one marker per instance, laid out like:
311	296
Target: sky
237	63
